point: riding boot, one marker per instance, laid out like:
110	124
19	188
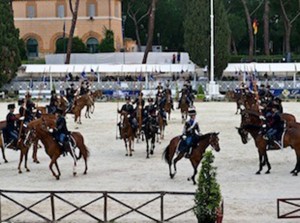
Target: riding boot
189	153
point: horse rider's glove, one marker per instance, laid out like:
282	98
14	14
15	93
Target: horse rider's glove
264	125
184	137
262	117
51	130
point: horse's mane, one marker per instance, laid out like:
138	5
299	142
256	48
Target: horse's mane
251	127
207	135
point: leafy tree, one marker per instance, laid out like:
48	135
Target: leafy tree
9	38
208	195
22	49
107	44
77	45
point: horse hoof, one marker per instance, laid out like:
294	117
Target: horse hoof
28	170
130	154
151	152
57	178
84	173
295	174
20	171
171	176
126	154
293	171
188	179
268	172
74	174
257	173
5	161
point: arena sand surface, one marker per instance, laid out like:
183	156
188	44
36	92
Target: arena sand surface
248	198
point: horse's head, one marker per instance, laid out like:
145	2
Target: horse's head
243	133
214	141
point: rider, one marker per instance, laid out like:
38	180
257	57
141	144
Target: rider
29	108
70	94
167	91
160	104
191	132
11	126
139	101
149	113
275	125
159	88
184	91
61	132
129	109
53	102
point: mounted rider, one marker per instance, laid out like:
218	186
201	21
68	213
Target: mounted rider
139	102
128	108
184	91
29	115
11	131
275	126
167	91
191	133
61	132
70	95
160	105
53	102
149	113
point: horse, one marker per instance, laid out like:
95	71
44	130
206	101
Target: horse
237	97
127	133
37	129
79	103
150	131
197	153
251	123
139	117
162	125
184	107
94	95
168	104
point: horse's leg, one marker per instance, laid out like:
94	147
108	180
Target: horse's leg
147	149
260	163
268	163
86	111
53	161
3	154
21	160
80	117
152	145
93	108
125	141
34	153
130	144
296	169
58	170
26	159
195	166
179	156
74	158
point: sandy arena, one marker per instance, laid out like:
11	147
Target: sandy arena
248	198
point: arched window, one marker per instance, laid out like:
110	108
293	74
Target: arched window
61	45
92	45
32	48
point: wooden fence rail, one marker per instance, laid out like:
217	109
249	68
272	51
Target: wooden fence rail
292	204
53	197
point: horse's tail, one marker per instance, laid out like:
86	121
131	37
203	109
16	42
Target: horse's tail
166	154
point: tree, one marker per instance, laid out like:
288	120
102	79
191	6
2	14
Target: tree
151	22
9	39
107	44
78	45
208	194
266	27
74	12
197	34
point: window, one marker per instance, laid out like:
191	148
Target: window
32	47
30	11
92	45
92	10
61	11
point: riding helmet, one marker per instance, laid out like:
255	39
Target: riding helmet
21	101
127	97
59	111
11	106
192	111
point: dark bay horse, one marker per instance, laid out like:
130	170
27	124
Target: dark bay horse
168	104
38	129
94	95
197	153
127	133
184	107
162	126
150	131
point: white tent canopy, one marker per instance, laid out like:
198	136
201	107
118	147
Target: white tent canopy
262	68
109	68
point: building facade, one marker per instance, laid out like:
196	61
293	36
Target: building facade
43	22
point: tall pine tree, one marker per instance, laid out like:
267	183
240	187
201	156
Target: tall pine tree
197	34
9	38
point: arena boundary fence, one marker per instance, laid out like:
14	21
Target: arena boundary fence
57	196
291	208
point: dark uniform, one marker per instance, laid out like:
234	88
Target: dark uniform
130	111
61	133
160	104
191	132
150	113
29	115
11	131
70	94
275	125
53	103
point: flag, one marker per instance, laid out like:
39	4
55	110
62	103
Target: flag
119	82
255	26
140	78
151	78
64	30
83	74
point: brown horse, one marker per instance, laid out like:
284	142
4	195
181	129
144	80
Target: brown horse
79	103
38	129
94	95
162	126
127	133
197	153
237	97
168	104
251	123
184	107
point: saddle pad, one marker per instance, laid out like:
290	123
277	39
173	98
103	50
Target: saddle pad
2	124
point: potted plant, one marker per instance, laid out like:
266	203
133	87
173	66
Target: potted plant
208	195
200	93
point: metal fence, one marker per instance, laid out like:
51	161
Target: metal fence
54	206
288	208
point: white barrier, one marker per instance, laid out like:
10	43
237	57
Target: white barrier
2	94
41	94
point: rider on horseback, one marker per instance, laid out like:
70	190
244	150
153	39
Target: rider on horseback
149	113
129	109
61	132
188	91
53	102
167	92
275	126
70	94
160	104
29	108
191	133
11	131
